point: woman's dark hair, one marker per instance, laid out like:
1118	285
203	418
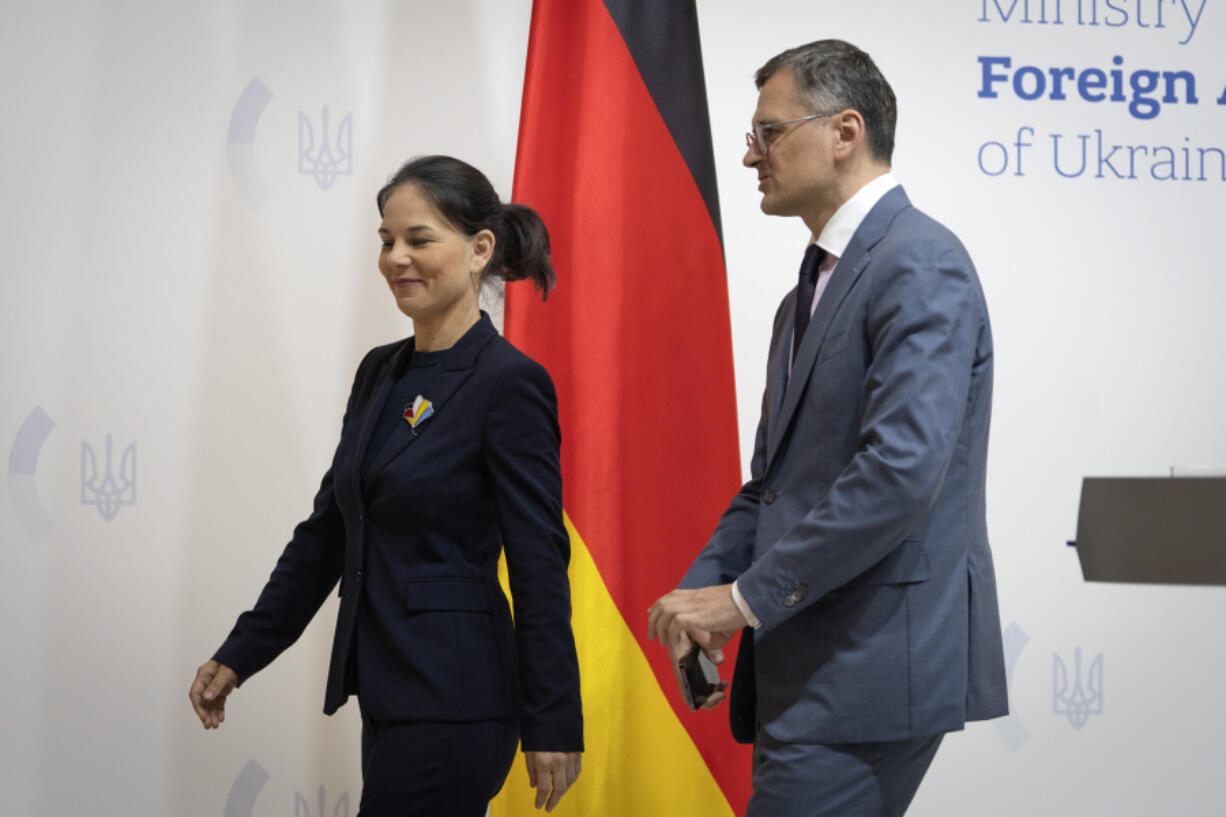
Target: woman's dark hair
467	200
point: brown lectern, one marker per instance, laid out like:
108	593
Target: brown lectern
1169	530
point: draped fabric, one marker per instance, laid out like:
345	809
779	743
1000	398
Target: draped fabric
615	154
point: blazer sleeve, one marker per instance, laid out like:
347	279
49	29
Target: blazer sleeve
523	461
922	324
306	572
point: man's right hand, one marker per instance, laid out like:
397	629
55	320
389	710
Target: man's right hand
214	682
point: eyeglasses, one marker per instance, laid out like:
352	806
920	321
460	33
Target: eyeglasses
759	138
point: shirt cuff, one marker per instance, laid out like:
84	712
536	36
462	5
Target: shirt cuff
743	606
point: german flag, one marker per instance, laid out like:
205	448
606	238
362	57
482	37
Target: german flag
615	153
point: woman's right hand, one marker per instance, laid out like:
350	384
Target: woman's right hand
214	681
552	774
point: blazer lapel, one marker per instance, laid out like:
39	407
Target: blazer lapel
453	370
777	369
846	273
370	411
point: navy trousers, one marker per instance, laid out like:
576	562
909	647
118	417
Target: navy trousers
424	769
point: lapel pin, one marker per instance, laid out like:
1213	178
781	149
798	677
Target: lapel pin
418	412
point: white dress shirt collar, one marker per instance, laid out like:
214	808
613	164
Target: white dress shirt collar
837	233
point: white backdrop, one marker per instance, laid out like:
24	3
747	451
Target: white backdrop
178	278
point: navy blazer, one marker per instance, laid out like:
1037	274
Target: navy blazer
860	541
424	631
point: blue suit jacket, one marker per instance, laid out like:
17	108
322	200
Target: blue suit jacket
424	631
860	541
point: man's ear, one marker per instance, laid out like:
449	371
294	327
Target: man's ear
851	132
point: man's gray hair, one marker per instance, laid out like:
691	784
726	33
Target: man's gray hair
832	75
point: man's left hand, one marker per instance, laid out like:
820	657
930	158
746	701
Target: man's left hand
706	616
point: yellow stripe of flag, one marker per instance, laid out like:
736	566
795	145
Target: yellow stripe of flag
640	761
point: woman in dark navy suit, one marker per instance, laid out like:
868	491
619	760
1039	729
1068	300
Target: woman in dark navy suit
448	457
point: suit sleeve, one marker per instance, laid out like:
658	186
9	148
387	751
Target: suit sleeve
523	461
922	324
306	572
729	552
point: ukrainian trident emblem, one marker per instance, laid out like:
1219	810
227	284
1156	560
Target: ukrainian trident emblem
103	490
328	156
1075	700
303	809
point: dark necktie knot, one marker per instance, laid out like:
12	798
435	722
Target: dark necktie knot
812	260
806	286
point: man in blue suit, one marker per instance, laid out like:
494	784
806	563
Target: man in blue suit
856	558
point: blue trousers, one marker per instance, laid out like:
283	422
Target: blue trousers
837	780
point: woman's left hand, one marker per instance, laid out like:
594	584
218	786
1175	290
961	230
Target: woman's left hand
551	774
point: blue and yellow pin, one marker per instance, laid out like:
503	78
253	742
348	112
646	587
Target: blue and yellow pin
419	412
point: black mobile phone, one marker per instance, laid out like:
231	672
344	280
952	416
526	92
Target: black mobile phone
700	676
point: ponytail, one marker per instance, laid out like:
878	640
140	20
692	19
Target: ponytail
525	253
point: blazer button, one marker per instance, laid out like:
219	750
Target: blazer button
358	577
768	496
796	596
